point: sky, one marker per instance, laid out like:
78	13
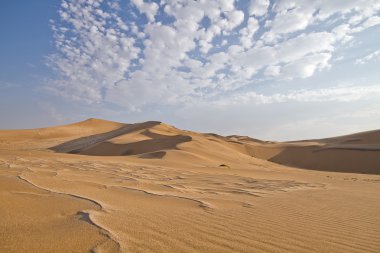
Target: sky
275	70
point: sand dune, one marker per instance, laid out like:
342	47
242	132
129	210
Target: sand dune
356	153
101	186
117	143
84	128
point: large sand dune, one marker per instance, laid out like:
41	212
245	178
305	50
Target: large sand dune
103	186
357	153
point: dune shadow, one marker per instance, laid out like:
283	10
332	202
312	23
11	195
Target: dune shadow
333	159
100	145
74	146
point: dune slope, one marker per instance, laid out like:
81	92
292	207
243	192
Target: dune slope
357	153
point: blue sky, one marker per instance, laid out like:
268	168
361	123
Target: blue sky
278	70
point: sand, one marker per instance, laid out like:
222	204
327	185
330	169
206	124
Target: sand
101	186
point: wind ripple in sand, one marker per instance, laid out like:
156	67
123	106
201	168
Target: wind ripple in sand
157	204
69	180
85	215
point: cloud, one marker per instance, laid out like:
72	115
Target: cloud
149	9
290	21
305	44
272	70
338	94
306	66
258	7
374	56
297	114
247	32
94	50
173	52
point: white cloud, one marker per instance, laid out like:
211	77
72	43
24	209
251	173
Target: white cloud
272	70
297	15
369	22
93	52
258	7
195	49
234	19
305	66
149	9
304	44
337	93
342	33
247	32
374	56
291	21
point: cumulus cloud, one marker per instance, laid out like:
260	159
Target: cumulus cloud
177	51
247	32
94	50
258	7
149	9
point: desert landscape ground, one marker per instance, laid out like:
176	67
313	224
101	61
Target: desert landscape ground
102	186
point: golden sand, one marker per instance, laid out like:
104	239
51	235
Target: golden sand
102	186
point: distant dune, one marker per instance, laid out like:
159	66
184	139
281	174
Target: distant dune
356	153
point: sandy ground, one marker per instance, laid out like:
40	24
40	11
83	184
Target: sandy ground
108	187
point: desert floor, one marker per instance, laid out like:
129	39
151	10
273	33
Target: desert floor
176	198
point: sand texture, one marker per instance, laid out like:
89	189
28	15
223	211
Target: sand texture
101	186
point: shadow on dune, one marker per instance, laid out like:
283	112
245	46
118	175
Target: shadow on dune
337	159
100	144
136	148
